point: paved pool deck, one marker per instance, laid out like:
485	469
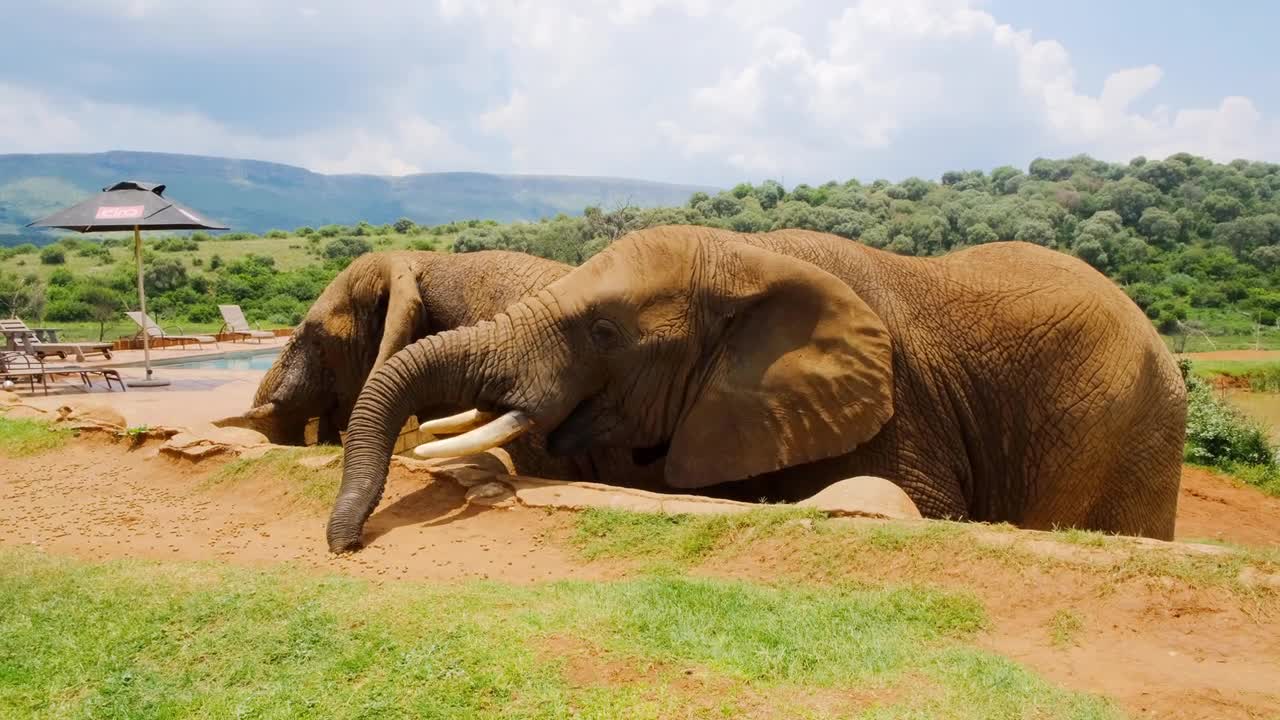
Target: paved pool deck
192	399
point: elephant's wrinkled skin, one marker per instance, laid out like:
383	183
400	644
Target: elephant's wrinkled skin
1004	382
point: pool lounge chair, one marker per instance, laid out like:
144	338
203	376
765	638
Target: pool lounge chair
19	366
22	338
234	322
159	333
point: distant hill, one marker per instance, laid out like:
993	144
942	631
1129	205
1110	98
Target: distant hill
257	196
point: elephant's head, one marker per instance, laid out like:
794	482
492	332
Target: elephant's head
683	343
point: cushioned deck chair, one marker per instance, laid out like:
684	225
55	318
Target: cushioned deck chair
20	337
19	366
234	322
159	333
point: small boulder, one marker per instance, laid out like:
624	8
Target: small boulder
493	494
235	436
91	414
866	496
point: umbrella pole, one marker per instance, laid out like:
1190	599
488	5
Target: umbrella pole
142	306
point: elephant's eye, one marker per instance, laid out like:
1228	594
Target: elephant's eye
605	334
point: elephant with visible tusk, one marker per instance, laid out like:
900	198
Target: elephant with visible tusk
376	306
1004	382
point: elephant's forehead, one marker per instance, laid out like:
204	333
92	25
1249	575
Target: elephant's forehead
661	262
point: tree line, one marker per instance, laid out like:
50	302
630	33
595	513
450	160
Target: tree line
1191	241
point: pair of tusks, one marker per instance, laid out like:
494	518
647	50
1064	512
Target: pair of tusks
483	431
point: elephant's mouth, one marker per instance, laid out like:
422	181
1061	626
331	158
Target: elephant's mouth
646	456
480	431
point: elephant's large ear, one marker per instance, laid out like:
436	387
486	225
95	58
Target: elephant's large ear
404	313
803	372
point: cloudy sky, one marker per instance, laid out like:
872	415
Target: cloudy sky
706	91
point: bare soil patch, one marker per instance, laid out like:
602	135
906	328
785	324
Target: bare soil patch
96	500
1214	507
1160	647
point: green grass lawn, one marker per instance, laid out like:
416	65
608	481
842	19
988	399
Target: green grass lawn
177	640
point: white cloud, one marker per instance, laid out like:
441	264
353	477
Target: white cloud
32	122
692	90
888	67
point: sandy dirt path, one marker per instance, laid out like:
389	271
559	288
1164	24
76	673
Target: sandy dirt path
1160	649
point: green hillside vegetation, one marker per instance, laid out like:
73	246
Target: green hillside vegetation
1196	244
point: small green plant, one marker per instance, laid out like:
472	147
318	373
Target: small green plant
135	435
1064	626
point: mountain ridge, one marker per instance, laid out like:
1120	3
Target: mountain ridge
259	195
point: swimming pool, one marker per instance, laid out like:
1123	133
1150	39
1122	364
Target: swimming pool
258	361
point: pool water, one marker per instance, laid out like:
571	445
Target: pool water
260	361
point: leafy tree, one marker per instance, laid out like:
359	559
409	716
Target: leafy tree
164	275
1222	207
404	225
980	233
1160	227
104	305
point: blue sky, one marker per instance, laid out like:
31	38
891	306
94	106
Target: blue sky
706	91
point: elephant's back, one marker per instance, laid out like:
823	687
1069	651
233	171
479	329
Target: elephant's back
1106	404
461	289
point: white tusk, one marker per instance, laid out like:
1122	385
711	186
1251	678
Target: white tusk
456	423
507	427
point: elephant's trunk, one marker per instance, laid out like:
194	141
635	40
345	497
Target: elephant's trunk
461	368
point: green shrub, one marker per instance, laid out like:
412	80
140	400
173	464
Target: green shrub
53	255
1219	435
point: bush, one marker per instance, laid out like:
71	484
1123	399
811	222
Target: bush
67	310
347	248
53	255
175	244
1221	436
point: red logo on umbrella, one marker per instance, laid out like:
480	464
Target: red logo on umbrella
119	212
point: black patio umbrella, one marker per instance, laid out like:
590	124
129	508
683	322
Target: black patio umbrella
136	206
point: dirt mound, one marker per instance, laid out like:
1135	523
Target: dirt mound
1156	645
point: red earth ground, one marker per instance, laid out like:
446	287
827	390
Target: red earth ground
1159	648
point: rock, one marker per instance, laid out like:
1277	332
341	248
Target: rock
235	436
8	398
96	414
493	494
1251	577
866	496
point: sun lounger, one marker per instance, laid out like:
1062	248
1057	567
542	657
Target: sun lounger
19	366
20	337
159	333
234	322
